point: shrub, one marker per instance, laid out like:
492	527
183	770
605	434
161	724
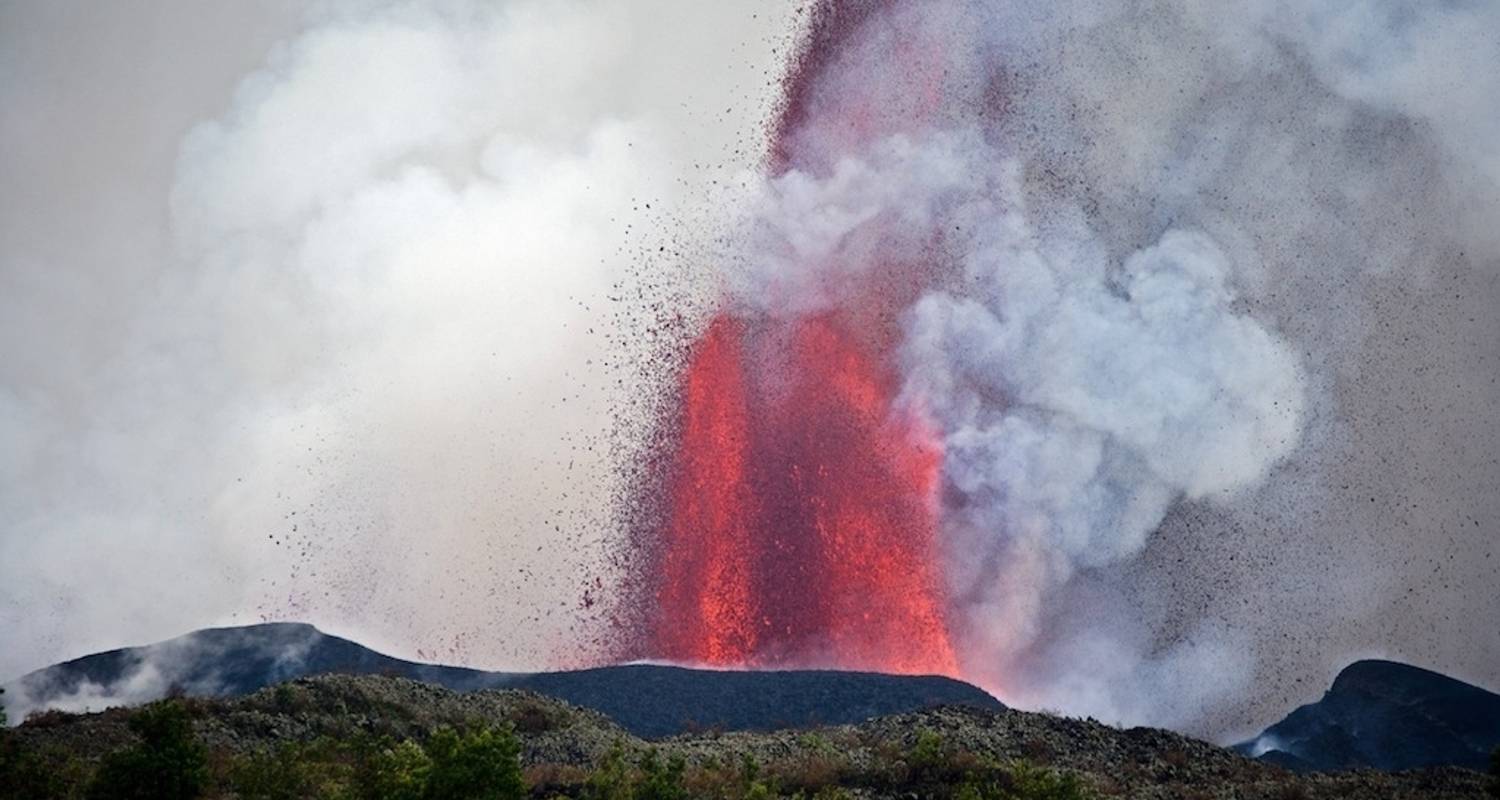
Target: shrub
480	764
928	758
320	768
611	780
660	781
548	780
26	773
279	774
1022	781
167	764
532	717
397	772
1033	783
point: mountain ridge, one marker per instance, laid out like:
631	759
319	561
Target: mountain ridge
1386	715
646	699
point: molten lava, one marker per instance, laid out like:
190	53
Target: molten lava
803	513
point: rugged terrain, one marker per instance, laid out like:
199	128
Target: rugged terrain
563	748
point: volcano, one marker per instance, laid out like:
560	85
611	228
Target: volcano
802	513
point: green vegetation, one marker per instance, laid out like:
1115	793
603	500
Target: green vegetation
479	765
649	779
163	756
1495	772
934	769
483	763
167	764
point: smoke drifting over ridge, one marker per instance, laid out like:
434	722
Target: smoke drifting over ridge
1210	345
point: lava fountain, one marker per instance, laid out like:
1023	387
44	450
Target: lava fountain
801	513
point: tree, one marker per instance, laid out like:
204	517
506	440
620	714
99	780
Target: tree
483	764
167	764
660	781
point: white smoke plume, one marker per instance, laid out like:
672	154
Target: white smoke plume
194	664
317	324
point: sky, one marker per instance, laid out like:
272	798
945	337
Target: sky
323	311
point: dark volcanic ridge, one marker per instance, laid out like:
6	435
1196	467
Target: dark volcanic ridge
1386	715
647	700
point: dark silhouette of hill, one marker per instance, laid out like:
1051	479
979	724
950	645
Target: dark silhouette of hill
647	700
1389	716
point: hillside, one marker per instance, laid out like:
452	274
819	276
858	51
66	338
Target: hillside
564	749
1389	716
647	700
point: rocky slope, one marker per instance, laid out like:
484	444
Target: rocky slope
874	758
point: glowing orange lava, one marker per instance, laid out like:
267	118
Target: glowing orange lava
803	517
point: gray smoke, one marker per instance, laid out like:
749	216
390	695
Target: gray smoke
1174	257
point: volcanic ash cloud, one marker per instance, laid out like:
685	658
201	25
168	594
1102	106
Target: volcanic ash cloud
1078	396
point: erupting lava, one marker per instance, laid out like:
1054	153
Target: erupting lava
803	515
802	512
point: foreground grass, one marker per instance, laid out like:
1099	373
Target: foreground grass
166	760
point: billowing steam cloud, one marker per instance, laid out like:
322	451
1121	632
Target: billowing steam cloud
1145	224
338	344
1079	398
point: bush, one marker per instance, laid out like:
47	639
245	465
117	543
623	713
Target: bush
660	781
650	779
167	764
531	717
611	780
27	773
294	770
397	772
928	759
1021	781
479	764
279	774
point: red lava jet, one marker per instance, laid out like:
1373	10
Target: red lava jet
802	513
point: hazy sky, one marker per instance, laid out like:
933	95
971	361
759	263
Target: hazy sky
315	311
305	308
